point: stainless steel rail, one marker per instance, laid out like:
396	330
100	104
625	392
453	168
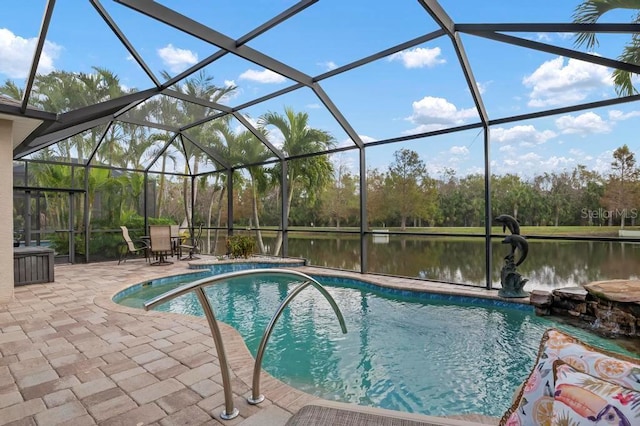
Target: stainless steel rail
256	396
230	411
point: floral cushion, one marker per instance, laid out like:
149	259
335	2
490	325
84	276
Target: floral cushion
581	399
534	403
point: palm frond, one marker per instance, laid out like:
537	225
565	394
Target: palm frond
590	11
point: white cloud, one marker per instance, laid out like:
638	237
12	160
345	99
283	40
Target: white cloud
617	115
587	123
275	136
264	76
329	65
419	57
437	113
555	83
543	37
363	138
229	96
239	128
459	150
312	106
17	54
424	128
557	163
177	59
482	87
529	157
525	135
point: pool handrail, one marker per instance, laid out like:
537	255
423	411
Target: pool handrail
256	397
230	412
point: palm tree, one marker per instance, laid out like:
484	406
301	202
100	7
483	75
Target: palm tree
588	12
253	151
306	174
12	90
200	86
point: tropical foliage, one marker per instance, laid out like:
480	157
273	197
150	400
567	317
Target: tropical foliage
589	12
193	167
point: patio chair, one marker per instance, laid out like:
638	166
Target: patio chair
193	245
175	241
132	247
160	243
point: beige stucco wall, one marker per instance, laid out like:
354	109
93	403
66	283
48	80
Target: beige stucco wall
6	211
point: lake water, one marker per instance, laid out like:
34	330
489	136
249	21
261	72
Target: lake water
549	265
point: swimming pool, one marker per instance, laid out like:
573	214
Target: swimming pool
414	352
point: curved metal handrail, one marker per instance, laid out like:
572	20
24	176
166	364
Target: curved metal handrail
230	411
256	397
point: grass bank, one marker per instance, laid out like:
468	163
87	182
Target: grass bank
568	231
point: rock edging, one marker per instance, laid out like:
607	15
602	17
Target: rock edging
611	307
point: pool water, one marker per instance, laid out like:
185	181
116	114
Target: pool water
424	354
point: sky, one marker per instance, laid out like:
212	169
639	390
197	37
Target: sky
418	89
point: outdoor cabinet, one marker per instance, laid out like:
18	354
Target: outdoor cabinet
32	265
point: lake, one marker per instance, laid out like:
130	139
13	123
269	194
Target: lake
549	265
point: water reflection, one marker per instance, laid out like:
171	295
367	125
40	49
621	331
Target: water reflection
550	264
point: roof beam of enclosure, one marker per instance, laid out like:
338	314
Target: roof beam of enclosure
196	29
446	23
99	110
207	151
123	39
95	150
198	101
245	105
427	134
565	110
50	138
160	152
242	40
44	27
549	28
269	96
241	118
186	157
293	10
186	73
151	124
14	109
382	54
328	103
587	57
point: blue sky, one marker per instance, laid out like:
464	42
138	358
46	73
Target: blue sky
418	89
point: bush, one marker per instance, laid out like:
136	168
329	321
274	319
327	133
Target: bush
240	246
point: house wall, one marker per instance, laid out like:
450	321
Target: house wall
6	211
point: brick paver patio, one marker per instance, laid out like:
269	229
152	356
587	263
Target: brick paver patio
70	355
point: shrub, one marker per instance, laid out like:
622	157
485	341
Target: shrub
240	245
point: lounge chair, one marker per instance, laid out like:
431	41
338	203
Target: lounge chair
322	413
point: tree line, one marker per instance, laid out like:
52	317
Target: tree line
321	192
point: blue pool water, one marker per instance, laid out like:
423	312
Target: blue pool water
424	353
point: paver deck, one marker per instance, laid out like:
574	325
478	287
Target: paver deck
69	354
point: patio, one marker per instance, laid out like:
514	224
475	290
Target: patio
68	354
